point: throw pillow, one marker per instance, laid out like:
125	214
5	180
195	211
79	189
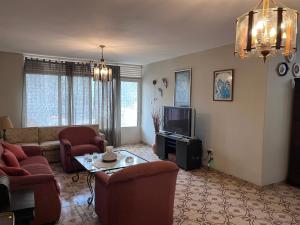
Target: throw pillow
16	150
10	159
12	171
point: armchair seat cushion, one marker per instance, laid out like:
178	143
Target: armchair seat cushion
37	169
84	149
34	160
50	145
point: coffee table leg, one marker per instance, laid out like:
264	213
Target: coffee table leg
76	177
89	180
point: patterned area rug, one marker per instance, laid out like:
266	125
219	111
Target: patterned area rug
202	197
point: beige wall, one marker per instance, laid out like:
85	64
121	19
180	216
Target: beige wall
11	86
277	123
234	130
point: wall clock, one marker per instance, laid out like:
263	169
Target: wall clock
296	70
282	69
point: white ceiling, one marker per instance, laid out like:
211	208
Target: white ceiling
135	31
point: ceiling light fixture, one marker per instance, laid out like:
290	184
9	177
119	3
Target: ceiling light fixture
102	72
267	31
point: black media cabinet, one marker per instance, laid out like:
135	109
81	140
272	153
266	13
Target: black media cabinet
185	152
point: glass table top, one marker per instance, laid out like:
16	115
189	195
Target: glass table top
93	162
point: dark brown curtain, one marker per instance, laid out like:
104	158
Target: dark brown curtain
107	102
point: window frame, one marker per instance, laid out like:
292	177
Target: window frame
139	99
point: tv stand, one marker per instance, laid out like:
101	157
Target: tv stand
185	152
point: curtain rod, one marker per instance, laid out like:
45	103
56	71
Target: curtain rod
68	59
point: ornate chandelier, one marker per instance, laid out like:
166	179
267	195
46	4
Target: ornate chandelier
102	72
266	31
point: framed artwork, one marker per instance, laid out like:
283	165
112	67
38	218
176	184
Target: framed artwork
223	85
183	80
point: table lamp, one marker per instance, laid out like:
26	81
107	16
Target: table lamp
5	123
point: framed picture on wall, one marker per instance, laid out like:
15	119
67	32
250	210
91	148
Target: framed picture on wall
223	85
182	95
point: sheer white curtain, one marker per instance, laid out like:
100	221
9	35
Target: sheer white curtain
106	107
81	100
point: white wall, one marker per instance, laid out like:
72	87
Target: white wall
234	130
11	86
130	135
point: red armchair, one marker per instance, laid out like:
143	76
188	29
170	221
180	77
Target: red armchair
141	194
75	141
41	180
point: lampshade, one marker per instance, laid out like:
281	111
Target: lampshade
269	30
5	123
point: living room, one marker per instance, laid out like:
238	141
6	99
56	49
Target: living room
91	94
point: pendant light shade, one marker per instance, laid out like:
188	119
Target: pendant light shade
267	31
102	72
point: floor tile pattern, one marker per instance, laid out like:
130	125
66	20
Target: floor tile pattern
202	197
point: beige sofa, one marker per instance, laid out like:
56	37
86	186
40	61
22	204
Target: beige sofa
45	137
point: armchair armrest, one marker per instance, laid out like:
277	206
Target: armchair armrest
102	178
98	141
65	142
32	150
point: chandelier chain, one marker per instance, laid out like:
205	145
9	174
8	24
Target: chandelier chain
275	3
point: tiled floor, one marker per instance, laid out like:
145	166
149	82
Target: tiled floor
202	197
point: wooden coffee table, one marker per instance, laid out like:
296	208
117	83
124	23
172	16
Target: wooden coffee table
93	163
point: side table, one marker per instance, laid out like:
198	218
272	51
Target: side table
22	205
7	218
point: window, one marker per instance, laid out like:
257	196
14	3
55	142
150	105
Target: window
64	93
129	103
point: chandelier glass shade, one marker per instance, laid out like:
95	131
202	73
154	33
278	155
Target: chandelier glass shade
266	31
102	72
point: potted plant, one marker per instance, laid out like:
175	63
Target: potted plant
156	124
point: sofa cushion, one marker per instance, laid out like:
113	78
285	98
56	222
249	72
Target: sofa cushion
83	149
13	171
16	150
22	135
34	160
49	133
35	169
50	145
10	159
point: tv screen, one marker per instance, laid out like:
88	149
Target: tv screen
178	120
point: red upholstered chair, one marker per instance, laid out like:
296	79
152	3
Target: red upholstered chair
75	141
141	194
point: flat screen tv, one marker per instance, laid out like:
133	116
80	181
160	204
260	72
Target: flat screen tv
177	120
